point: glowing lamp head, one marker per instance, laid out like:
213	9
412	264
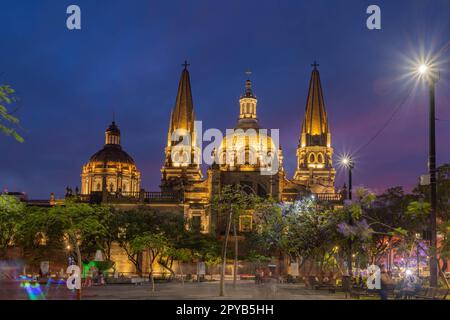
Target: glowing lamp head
423	69
408	272
347	162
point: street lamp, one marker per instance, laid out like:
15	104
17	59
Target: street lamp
347	162
431	76
423	69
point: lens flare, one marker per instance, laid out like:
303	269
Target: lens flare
423	69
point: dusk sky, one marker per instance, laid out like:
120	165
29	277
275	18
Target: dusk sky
127	59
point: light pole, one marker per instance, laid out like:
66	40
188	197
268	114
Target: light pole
432	77
348	163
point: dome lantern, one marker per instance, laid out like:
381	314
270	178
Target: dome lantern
112	134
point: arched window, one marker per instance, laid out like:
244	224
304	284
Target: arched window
223	158
312	158
320	158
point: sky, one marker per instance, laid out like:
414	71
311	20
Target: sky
127	60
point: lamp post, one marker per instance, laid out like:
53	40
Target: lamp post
347	162
432	77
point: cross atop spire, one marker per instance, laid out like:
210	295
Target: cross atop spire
315	65
185	64
248	84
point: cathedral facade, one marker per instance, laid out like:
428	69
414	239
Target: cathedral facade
111	175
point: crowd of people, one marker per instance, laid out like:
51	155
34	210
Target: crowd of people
94	277
405	287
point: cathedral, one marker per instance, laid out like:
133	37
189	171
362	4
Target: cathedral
111	175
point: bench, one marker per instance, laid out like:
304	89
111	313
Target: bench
311	282
123	280
432	293
326	286
358	292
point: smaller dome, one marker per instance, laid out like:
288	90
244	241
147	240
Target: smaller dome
112	153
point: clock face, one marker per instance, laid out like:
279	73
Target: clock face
162	105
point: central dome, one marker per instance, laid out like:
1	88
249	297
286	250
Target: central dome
247	148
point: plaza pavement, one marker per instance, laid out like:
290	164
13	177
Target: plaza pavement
245	290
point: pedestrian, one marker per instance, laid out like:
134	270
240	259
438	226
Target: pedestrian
409	285
386	282
257	277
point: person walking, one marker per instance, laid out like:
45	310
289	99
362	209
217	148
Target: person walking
386	283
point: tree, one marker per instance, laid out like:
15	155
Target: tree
444	249
34	234
267	238
269	227
11	217
212	258
303	230
229	203
389	219
80	225
8	123
142	221
201	247
107	217
257	259
154	244
181	255
310	232
443	187
132	224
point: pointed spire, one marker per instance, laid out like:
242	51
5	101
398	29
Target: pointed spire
183	113
315	129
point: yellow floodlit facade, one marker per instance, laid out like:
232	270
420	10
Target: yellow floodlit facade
248	155
243	158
